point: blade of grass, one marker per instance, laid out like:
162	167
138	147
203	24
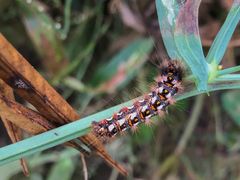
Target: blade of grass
78	128
229	70
173	159
45	140
196	112
123	66
220	43
67	19
228	77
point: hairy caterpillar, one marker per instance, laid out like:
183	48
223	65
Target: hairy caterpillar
168	83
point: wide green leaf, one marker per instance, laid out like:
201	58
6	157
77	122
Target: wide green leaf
179	27
166	17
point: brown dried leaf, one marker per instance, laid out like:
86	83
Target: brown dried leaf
24	118
13	131
31	86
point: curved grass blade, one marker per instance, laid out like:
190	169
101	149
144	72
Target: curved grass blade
223	37
122	67
67	19
179	27
228	77
84	37
79	128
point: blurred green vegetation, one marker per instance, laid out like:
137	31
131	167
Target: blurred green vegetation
99	53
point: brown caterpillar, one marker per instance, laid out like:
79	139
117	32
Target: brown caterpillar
168	83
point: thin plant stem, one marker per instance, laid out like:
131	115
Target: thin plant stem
190	126
85	171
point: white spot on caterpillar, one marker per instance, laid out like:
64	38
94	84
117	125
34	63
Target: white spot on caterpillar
153	99
111	127
160	107
109	119
141	100
133	115
160	89
174	81
131	107
168	96
121	121
164	78
120	113
144	108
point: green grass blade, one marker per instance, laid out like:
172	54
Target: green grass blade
212	87
54	137
229	70
130	59
223	37
67	19
44	141
228	77
79	128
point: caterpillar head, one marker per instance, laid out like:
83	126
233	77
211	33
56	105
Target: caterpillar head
172	70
